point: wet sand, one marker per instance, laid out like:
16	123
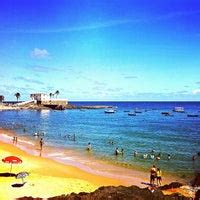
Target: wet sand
56	171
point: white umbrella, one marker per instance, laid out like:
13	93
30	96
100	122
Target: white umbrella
22	175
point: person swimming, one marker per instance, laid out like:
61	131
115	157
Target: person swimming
117	151
145	156
122	151
135	153
158	156
194	157
152	156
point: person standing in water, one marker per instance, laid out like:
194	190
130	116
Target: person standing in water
89	147
116	151
41	143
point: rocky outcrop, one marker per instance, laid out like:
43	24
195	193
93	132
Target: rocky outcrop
118	193
171	186
196	181
197	196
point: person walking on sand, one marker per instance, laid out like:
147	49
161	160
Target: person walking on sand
41	143
16	140
159	176
152	174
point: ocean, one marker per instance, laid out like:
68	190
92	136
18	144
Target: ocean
148	132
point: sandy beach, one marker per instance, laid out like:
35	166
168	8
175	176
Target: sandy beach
50	176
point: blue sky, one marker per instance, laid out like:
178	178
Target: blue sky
101	49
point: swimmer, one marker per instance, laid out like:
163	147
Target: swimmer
194	157
168	156
89	147
122	151
116	151
152	156
145	156
157	158
135	153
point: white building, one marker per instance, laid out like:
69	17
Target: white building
40	97
44	99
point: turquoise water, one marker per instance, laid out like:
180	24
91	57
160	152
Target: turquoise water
177	135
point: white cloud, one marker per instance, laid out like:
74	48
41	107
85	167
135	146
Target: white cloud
39	53
197	91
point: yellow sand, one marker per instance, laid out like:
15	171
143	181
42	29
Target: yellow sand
47	178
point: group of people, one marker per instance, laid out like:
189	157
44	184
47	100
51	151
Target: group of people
155	175
71	137
151	155
117	151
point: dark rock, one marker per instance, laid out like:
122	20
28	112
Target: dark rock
171	186
28	198
196	181
121	193
197	195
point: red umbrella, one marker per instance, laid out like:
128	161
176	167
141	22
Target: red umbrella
12	160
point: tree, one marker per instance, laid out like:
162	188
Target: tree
1	98
17	95
57	93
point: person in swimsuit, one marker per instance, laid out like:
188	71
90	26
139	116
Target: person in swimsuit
159	176
152	174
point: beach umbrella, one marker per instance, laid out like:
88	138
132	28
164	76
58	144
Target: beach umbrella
12	160
22	175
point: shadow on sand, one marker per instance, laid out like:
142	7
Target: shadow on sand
7	174
18	184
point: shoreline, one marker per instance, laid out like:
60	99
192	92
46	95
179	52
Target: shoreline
33	106
47	177
66	168
87	162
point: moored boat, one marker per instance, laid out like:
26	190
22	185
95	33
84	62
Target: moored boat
193	115
166	113
138	110
179	109
110	111
131	114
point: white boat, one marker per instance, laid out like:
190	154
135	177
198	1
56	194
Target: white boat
131	114
137	110
193	115
179	109
109	111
